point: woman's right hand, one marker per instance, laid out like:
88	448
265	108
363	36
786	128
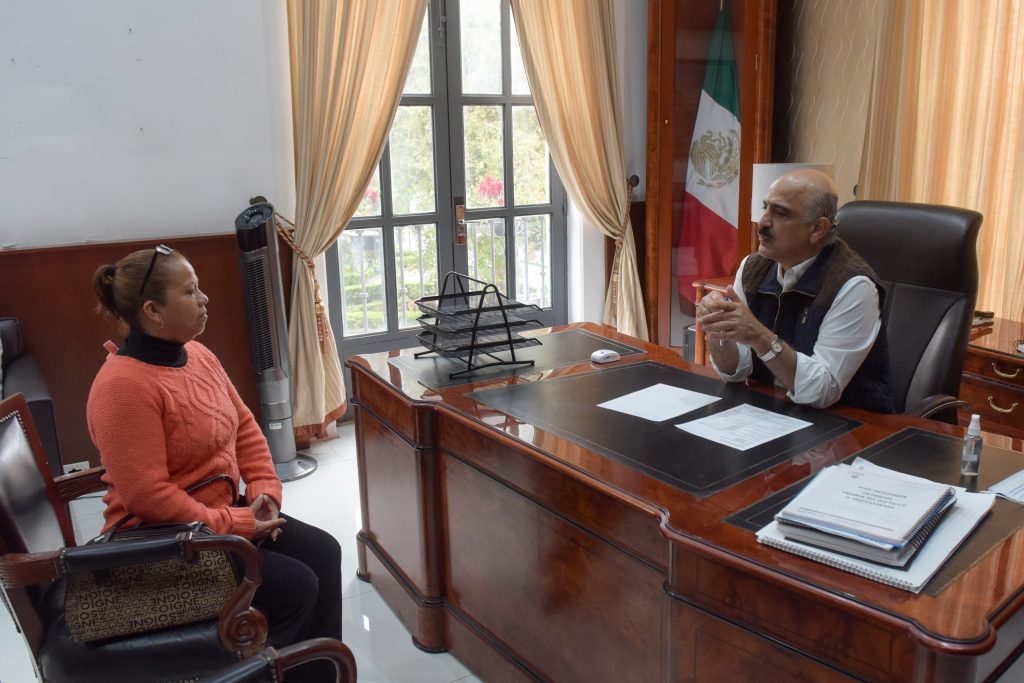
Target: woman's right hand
268	523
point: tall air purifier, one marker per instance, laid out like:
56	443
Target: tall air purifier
268	336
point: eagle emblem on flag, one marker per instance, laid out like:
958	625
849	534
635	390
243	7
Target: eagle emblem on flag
715	156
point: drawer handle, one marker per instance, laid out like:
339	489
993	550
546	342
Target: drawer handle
996	408
1006	375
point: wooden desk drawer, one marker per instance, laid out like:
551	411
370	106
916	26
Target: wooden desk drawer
1010	371
996	402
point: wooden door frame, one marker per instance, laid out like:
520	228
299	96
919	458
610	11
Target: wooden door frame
756	86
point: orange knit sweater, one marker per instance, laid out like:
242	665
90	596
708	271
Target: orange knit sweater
161	429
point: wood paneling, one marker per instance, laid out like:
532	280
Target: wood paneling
51	292
394	520
514	565
723	652
628	527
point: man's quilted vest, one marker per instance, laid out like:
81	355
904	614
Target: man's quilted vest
796	316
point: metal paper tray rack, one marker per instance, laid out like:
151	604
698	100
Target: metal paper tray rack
471	321
467	322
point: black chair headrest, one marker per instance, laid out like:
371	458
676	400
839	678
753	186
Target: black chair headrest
926	245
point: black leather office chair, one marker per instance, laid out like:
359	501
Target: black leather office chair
22	375
271	666
926	257
35	530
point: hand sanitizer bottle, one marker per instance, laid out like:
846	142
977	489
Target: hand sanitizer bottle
971	460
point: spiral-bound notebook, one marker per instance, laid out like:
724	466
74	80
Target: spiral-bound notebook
874	506
896	556
956	525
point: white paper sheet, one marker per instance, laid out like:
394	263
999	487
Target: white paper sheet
743	427
659	402
1011	488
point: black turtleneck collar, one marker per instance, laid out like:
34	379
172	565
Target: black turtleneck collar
141	346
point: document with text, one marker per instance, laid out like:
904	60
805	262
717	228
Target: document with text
1011	488
876	506
659	402
743	427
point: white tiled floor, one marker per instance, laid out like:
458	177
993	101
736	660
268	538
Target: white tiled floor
328	498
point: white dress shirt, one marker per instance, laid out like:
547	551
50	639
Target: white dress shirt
847	333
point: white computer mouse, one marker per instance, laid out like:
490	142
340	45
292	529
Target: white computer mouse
605	356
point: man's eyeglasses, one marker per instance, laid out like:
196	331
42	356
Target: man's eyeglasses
159	249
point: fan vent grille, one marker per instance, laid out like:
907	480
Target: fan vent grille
257	312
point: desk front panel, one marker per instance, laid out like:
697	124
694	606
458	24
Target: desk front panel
567	602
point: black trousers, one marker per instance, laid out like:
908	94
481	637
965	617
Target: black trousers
301	591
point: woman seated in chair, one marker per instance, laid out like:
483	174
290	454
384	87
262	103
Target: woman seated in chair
164	416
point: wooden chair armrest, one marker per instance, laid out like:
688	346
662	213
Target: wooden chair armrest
240	626
718	284
274	662
71	486
320	648
18	570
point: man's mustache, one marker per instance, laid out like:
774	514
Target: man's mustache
764	232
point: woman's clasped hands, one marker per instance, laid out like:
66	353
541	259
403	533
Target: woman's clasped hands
268	519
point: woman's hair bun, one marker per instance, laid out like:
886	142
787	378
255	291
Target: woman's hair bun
103	282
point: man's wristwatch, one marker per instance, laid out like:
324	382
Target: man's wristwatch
774	350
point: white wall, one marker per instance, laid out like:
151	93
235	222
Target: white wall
130	119
586	244
126	119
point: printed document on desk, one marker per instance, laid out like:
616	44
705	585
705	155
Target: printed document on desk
659	402
743	427
1011	488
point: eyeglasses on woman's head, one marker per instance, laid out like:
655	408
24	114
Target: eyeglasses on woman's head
157	251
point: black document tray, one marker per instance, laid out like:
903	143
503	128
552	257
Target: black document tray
465	343
460	303
467	322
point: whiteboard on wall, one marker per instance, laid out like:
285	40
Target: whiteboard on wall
130	119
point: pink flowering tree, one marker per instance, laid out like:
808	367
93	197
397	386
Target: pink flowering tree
491	189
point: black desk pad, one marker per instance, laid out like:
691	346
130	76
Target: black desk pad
557	350
568	407
932	456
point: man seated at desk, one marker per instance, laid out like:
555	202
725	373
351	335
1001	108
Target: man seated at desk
804	310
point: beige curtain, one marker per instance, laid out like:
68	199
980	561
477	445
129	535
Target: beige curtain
568	49
945	126
348	64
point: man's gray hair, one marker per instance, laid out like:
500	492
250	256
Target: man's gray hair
820	204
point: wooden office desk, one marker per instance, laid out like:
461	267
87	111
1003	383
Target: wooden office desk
993	377
531	557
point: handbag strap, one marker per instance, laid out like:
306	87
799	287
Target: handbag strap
191	489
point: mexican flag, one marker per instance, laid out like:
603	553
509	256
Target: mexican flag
707	232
